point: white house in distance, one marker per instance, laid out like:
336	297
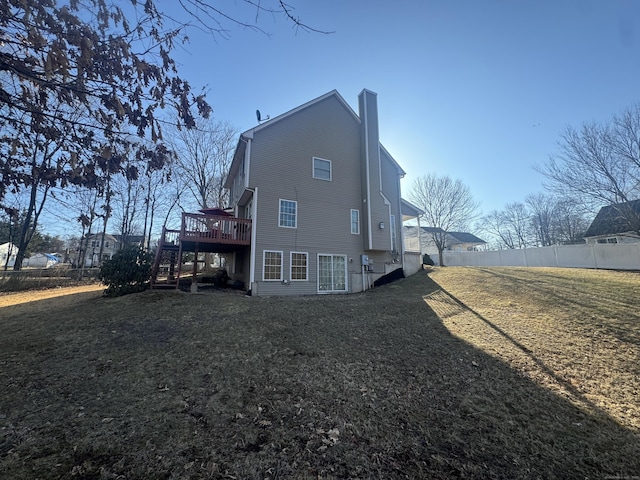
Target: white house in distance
420	239
8	253
110	245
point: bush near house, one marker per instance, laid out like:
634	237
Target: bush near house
127	272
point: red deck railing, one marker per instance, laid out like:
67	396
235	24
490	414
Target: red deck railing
204	228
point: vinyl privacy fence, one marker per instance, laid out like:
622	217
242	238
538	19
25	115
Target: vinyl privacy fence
606	256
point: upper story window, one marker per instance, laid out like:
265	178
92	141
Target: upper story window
355	221
288	214
321	168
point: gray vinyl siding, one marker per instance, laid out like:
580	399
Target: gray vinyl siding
282	168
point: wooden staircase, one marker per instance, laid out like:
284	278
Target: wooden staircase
166	266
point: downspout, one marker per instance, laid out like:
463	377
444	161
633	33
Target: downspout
252	256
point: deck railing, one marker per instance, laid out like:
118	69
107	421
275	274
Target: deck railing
170	237
215	229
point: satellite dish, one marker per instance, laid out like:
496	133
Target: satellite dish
259	116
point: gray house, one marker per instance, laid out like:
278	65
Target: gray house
323	199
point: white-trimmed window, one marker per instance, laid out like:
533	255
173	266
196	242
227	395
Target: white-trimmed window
288	214
355	221
272	265
321	168
299	266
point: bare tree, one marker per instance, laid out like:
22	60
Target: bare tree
511	226
204	155
78	77
542	218
599	164
448	205
571	220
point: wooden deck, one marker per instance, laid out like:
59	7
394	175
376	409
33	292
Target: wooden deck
199	233
210	233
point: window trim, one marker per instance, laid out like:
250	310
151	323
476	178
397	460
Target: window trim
306	270
295	218
264	265
313	169
351	221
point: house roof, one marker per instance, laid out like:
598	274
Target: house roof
409	210
465	237
455	237
248	134
107	236
614	219
333	93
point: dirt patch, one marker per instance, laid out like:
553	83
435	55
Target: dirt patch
62	295
397	382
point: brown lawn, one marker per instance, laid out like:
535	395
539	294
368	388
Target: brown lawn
456	373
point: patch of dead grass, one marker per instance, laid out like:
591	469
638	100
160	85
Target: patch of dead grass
406	381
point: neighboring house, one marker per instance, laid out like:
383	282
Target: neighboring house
8	253
421	239
93	243
130	240
41	260
618	223
322	198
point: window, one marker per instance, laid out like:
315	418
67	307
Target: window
321	169
272	265
355	221
608	240
299	266
288	214
394	238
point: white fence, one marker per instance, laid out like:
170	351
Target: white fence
609	256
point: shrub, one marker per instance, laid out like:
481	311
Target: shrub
127	272
426	260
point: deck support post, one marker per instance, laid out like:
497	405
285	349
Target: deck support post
194	279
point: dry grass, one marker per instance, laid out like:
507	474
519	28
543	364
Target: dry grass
463	373
575	332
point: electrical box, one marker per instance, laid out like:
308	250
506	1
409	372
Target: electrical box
364	260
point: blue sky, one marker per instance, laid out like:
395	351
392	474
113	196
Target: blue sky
476	89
